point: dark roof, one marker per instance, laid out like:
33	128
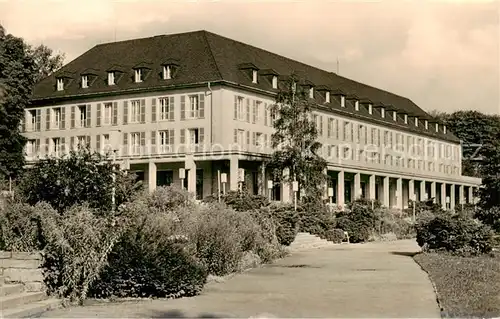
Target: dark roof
202	57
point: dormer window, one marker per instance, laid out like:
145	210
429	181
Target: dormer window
311	92
254	76
416	121
382	112
370	108
294	86
406	118
394	116
327	97
426	123
60	84
111	78
138	76
342	101
275	82
444	129
85	81
167	72
437	127
356	105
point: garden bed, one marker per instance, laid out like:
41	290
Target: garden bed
466	286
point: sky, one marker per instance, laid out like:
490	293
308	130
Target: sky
443	55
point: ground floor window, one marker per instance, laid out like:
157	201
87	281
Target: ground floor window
255	182
164	178
199	184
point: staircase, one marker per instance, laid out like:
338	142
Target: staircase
17	302
306	241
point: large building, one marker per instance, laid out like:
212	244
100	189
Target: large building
201	102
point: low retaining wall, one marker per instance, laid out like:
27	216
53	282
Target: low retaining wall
22	268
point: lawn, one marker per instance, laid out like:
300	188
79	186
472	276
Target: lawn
466	286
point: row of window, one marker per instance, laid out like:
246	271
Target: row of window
134	111
252	111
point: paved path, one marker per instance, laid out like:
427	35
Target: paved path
348	281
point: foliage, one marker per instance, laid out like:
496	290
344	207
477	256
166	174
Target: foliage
16	82
315	217
335	235
78	243
21	226
45	60
490	217
152	258
286	220
454	233
240	201
169	199
295	140
489	192
359	221
80	177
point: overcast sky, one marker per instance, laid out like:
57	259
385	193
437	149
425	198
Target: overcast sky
442	55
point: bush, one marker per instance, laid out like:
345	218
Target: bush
21	226
335	235
490	217
315	217
360	222
240	201
454	233
286	220
78	243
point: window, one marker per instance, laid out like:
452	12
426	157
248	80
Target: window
166	110
135	111
311	92
239	108
356	105
394	116
274	116
275	82
138	76
347	131
444	129
294	86
239	137
106	141
166	140
406	118
31	122
370	109
327	97
60	84
82	116
31	148
416	121
81	141
437	127
259	139
347	153
254	76
194	106
85	81
56	117
167	72
255	109
382	112
387	160
111	78
135	141
194	136
56	146
426	123
108	113
342	101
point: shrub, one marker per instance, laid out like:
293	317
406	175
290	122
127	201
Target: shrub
360	222
77	178
78	243
240	201
286	220
150	260
490	217
454	233
21	226
315	217
335	235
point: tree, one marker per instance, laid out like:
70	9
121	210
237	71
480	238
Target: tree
80	177
16	82
295	141
46	62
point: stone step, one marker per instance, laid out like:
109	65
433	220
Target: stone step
31	310
11	289
13	301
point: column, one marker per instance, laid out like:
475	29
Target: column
286	188
433	191
411	190
372	185
233	173
191	177
461	195
262	182
385	201
423	190
151	176
452	196
399	193
340	189
325	184
357	186
471	195
443	196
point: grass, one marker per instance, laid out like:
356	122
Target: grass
466	286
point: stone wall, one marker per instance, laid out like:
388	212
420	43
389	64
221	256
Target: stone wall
22	268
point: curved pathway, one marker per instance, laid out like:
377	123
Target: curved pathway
348	281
